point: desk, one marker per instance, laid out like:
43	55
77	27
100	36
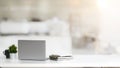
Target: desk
77	61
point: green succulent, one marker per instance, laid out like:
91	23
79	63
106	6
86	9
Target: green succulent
13	49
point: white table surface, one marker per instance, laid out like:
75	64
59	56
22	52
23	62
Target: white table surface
77	61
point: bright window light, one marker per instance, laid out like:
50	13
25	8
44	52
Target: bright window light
102	4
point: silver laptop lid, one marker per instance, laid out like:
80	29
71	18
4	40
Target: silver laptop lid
32	49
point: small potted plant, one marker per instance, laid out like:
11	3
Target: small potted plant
13	51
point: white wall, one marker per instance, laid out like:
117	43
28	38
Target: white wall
110	21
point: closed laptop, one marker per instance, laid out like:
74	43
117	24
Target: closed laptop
31	49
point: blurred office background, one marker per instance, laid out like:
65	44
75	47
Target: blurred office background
93	25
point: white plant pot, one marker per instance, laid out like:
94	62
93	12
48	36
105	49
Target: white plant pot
13	56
